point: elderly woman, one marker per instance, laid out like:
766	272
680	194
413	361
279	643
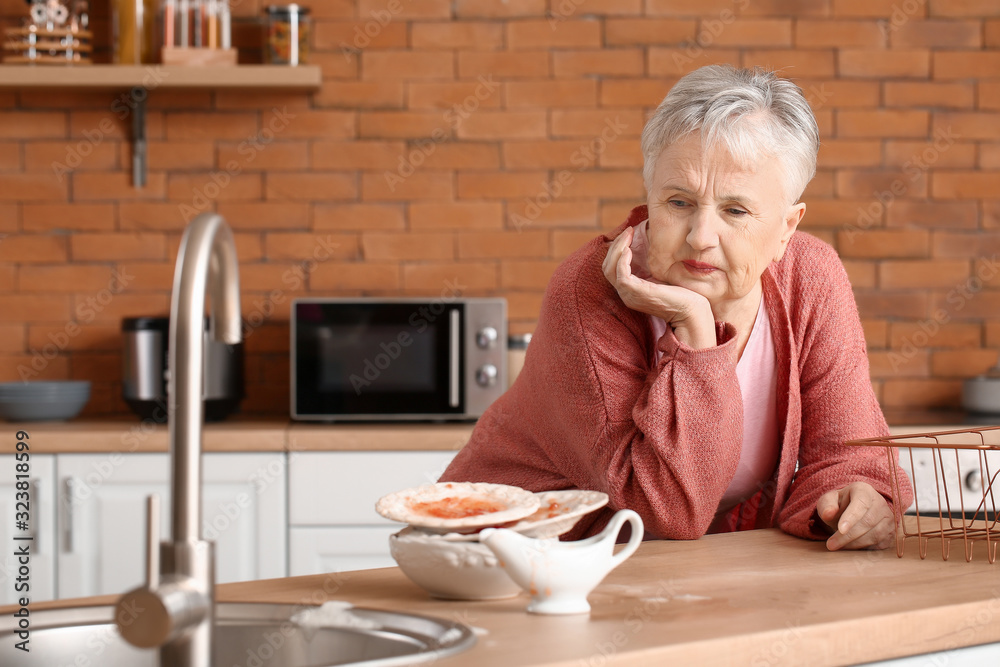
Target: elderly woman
705	363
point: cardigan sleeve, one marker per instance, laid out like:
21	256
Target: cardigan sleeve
838	403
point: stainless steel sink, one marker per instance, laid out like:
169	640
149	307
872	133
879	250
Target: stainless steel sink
245	634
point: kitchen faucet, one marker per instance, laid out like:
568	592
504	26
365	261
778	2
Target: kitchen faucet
174	610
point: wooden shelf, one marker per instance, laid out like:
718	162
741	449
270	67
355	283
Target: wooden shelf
117	77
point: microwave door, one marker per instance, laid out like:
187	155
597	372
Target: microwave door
454	358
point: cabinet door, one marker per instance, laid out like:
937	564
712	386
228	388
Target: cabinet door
102	527
41	576
316	550
335	488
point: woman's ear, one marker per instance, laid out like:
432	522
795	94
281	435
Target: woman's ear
788	226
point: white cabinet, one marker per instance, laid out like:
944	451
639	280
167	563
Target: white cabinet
102	523
332	517
41	575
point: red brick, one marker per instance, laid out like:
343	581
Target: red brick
813	63
358	154
952	214
876	9
883	244
434	278
899	304
86	217
588	124
364	33
606	184
457	155
785	8
90	247
503	125
311	186
876	64
566	242
274	156
695	8
211	126
965	244
10	156
882	123
989	156
23	248
411	9
860	273
850	153
377	65
892	364
934	334
12	338
455	215
634	92
33	125
158	216
837	212
526	274
921	155
619	154
472	35
216	186
991	30
509	245
750	32
332	9
9	214
503	64
989	94
151	276
500	8
968	125
501	185
265	215
535	212
939	34
971	8
603	62
356	277
964	184
546	34
264	277
979	305
912	94
561	10
402	124
551	93
676	62
547	153
876	333
419	185
87	308
117	186
825	123
887	185
962	363
253	100
173	155
20	367
336	65
68	279
467	96
35	307
813	33
837	94
638	31
922	273
966	64
358	217
991	213
613	214
821	185
310	124
62	158
32	187
523	306
360	95
377	246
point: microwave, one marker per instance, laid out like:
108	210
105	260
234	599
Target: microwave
373	359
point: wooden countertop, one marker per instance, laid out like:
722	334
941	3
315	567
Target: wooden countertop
236	435
758	597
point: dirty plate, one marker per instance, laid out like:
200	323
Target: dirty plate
559	511
460	507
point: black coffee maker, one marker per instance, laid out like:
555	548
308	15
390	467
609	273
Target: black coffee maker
144	366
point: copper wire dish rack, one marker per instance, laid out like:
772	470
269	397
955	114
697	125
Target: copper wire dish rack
954	480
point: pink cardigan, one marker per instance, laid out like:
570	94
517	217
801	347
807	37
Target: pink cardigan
591	409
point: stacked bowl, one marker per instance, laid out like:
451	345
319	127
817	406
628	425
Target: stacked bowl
43	401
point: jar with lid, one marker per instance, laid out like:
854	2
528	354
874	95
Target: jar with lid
287	40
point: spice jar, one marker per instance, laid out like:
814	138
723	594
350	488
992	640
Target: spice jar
287	35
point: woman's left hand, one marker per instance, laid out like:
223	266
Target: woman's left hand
858	516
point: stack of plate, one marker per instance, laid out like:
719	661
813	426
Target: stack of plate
43	401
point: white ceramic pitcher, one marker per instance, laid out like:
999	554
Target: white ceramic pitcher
559	575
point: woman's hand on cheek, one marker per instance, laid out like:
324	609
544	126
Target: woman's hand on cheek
858	516
688	313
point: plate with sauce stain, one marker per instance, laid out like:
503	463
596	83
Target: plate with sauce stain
558	512
458	507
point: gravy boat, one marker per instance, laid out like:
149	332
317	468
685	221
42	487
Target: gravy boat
559	575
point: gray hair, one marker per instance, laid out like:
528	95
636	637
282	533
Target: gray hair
750	111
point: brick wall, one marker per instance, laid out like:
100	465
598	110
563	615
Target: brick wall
481	141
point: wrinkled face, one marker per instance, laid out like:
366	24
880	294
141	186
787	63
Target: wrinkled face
713	226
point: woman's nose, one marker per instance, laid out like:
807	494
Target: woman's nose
703	230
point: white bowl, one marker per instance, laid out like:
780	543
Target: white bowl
451	569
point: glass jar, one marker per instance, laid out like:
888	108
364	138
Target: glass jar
287	40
